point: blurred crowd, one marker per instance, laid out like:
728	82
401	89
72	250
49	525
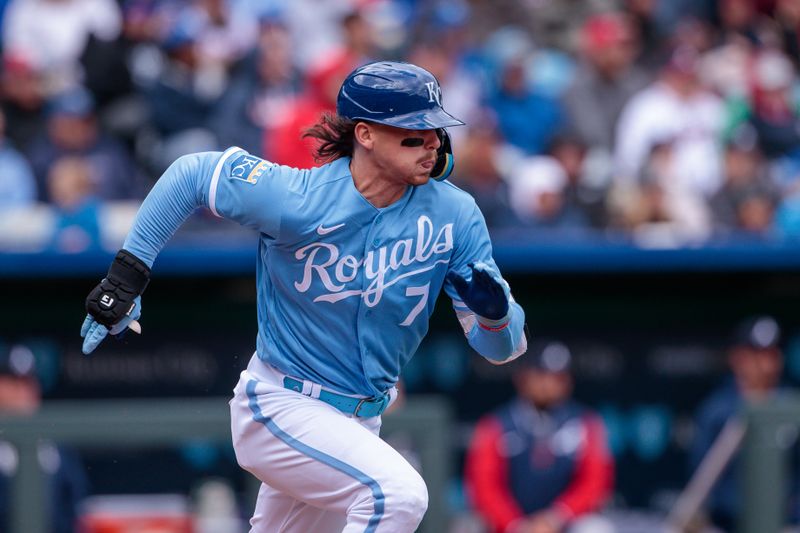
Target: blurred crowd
663	123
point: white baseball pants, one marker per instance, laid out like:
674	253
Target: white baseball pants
321	470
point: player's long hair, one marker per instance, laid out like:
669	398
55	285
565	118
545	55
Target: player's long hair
336	135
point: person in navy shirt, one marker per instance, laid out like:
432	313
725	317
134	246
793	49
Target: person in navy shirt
756	362
540	463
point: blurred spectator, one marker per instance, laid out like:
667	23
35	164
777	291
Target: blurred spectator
658	210
540	196
540	464
527	118
225	35
184	93
106	70
756	362
772	108
460	86
73	129
23	95
554	22
478	171
690	33
445	48
650	27
738	17
786	18
144	20
358	38
726	68
51	35
20	396
71	191
260	92
284	144
317	27
449	24
606	79
586	190
675	108
747	200
17	184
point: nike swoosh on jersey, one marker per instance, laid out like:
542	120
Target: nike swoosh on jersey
325	231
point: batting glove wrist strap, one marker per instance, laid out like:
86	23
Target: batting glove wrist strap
112	299
130	270
493	325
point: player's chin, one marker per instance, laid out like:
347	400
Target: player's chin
420	178
422	174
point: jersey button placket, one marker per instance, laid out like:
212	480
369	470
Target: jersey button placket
376	222
365	311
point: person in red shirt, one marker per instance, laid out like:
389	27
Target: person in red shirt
540	463
285	143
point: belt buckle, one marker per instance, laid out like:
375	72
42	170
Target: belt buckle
383	399
358	406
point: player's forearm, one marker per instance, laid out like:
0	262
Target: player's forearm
174	197
500	343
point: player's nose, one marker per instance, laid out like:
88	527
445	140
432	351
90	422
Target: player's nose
432	141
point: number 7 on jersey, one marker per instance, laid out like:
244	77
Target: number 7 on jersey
422	292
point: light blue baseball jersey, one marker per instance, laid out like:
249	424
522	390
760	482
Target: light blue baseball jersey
345	289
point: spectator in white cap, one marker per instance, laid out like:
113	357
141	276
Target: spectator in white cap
538	196
773	112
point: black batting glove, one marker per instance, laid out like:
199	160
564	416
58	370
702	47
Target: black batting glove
113	298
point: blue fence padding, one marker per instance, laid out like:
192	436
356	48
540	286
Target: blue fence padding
604	257
514	254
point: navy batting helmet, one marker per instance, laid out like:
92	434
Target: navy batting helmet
396	94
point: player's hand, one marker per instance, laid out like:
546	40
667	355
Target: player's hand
542	522
93	332
114	303
486	293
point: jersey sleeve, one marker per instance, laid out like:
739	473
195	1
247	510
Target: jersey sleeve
498	341
233	184
249	190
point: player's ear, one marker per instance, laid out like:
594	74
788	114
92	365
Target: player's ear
364	135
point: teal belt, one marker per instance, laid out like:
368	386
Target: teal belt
360	407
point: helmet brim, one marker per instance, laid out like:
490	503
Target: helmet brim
429	119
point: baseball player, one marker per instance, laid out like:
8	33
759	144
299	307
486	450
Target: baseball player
352	256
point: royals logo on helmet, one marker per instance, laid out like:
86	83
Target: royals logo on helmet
434	92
